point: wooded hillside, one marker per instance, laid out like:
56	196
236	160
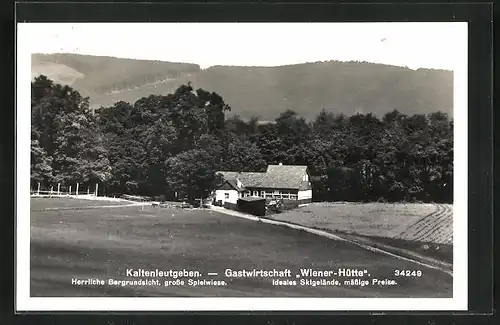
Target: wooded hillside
159	145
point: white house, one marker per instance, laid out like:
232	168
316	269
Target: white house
230	191
285	182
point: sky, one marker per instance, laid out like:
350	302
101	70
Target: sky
415	45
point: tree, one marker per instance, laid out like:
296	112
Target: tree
66	140
115	119
214	108
163	144
80	155
41	170
192	173
324	125
342	184
243	155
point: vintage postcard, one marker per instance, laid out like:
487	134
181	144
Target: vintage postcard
241	166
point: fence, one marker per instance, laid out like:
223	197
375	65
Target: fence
65	190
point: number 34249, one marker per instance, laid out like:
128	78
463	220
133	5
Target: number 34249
408	273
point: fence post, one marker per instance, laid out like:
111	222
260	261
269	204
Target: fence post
70	190
38	190
77	184
88	190
96	188
51	190
58	188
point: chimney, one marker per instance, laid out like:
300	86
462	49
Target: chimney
281	164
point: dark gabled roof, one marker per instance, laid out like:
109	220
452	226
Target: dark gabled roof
234	184
284	176
276	177
246	178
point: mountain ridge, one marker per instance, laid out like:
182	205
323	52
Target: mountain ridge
307	88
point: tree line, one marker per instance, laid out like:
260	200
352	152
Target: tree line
172	145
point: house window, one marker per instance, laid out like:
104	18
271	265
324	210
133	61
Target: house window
255	193
226	195
263	193
293	196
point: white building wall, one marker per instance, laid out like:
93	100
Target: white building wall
220	195
302	195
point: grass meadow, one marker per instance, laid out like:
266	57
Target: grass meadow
422	228
103	242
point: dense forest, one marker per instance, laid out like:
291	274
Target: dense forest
307	88
163	144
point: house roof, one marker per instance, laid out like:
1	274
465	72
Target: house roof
246	178
234	184
276	177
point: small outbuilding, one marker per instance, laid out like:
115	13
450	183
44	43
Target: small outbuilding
252	205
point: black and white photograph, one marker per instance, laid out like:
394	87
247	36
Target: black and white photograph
293	166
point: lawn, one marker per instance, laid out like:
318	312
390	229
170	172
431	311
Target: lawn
425	228
417	222
103	242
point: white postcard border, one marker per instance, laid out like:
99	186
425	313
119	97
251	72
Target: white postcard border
22	275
